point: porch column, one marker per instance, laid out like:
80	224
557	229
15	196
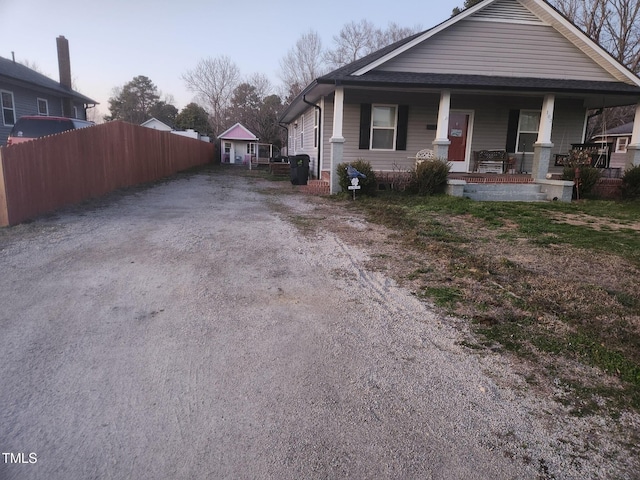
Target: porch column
633	149
542	147
442	142
337	140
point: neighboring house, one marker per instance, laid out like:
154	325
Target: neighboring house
156	124
238	145
512	75
619	139
24	91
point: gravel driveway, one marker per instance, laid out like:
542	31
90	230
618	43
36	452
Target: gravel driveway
188	330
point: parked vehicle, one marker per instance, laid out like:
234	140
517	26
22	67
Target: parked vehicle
30	127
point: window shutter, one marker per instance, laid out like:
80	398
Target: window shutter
365	126
512	130
403	123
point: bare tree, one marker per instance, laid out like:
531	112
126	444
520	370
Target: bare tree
357	40
261	83
613	24
623	32
393	33
303	63
33	66
354	41
213	81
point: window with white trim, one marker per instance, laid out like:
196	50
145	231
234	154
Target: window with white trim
527	130
302	132
43	106
621	144
8	108
316	121
251	148
384	122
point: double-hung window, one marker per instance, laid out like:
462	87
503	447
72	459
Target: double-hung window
8	108
302	132
43	107
527	130
384	122
316	121
621	144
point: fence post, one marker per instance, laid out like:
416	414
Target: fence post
4	213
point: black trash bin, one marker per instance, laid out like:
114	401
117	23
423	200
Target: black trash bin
299	169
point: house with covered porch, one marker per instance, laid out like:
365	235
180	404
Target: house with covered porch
512	76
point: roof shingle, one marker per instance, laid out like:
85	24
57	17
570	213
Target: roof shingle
17	72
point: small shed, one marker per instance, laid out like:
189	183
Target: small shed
156	124
238	145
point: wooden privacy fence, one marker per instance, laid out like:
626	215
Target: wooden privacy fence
42	175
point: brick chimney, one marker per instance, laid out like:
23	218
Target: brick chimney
64	67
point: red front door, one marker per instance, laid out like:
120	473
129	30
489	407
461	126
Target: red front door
458	136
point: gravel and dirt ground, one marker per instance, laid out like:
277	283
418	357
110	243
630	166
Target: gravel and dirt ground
200	328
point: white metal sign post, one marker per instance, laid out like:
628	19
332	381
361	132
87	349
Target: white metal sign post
354	186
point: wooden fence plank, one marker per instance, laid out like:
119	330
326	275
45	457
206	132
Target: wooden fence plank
42	175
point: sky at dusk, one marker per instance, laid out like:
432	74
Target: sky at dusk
111	42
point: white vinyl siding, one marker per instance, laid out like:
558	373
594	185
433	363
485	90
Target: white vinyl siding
513	49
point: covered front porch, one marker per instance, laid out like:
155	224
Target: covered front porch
525	131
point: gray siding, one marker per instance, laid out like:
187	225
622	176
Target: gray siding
306	128
506	10
327	132
491	115
423	111
619	160
514	49
26	103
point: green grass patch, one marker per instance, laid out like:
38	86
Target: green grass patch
507	299
445	297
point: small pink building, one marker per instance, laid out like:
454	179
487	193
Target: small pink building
238	145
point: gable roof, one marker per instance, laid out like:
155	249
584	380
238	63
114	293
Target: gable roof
238	132
620	131
535	12
389	67
24	76
153	122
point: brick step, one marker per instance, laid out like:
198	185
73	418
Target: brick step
315	187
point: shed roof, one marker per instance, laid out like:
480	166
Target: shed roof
619	131
153	122
238	132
